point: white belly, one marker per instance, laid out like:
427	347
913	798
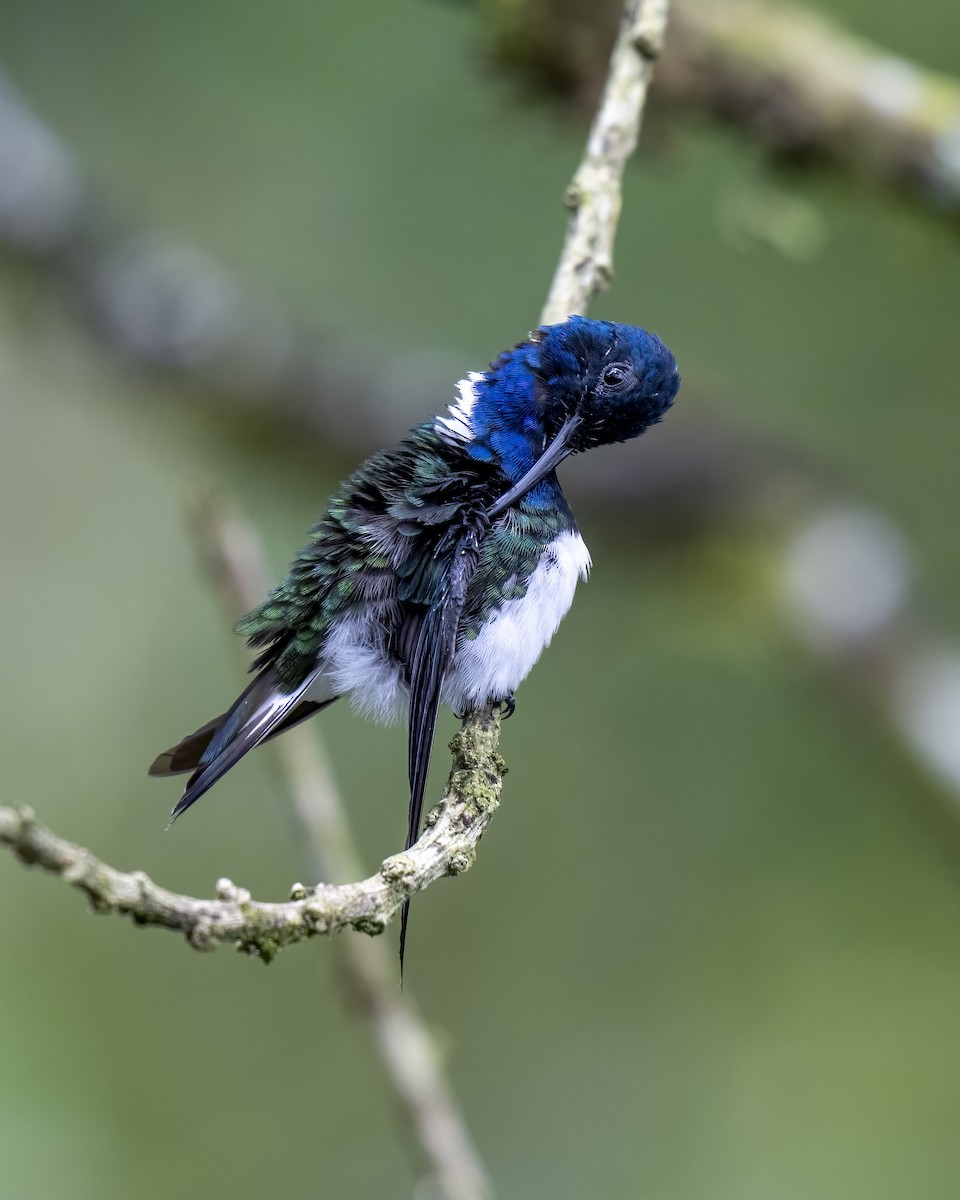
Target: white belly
493	664
356	664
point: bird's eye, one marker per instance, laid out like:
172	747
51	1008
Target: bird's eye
615	375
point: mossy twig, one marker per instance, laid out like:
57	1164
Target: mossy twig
447	847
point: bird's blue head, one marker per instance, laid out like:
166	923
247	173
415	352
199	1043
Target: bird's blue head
569	387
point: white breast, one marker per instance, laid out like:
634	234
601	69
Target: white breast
493	664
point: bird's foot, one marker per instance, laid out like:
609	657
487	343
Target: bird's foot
508	706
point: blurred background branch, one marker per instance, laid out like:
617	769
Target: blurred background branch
797	83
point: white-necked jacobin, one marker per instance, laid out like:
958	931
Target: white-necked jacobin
443	565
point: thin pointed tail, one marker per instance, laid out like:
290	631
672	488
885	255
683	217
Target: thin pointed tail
404	917
421	738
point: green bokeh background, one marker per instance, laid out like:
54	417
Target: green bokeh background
711	947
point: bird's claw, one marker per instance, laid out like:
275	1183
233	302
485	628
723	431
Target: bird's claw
509	706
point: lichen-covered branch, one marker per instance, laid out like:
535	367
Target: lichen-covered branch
594	197
447	847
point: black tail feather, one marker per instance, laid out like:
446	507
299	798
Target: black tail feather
186	754
404	917
264	710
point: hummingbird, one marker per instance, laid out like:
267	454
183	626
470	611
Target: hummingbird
443	565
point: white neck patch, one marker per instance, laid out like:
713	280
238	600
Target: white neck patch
458	425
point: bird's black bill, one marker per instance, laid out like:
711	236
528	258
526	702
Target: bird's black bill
554	454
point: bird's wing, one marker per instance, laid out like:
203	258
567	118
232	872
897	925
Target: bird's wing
186	754
383	549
